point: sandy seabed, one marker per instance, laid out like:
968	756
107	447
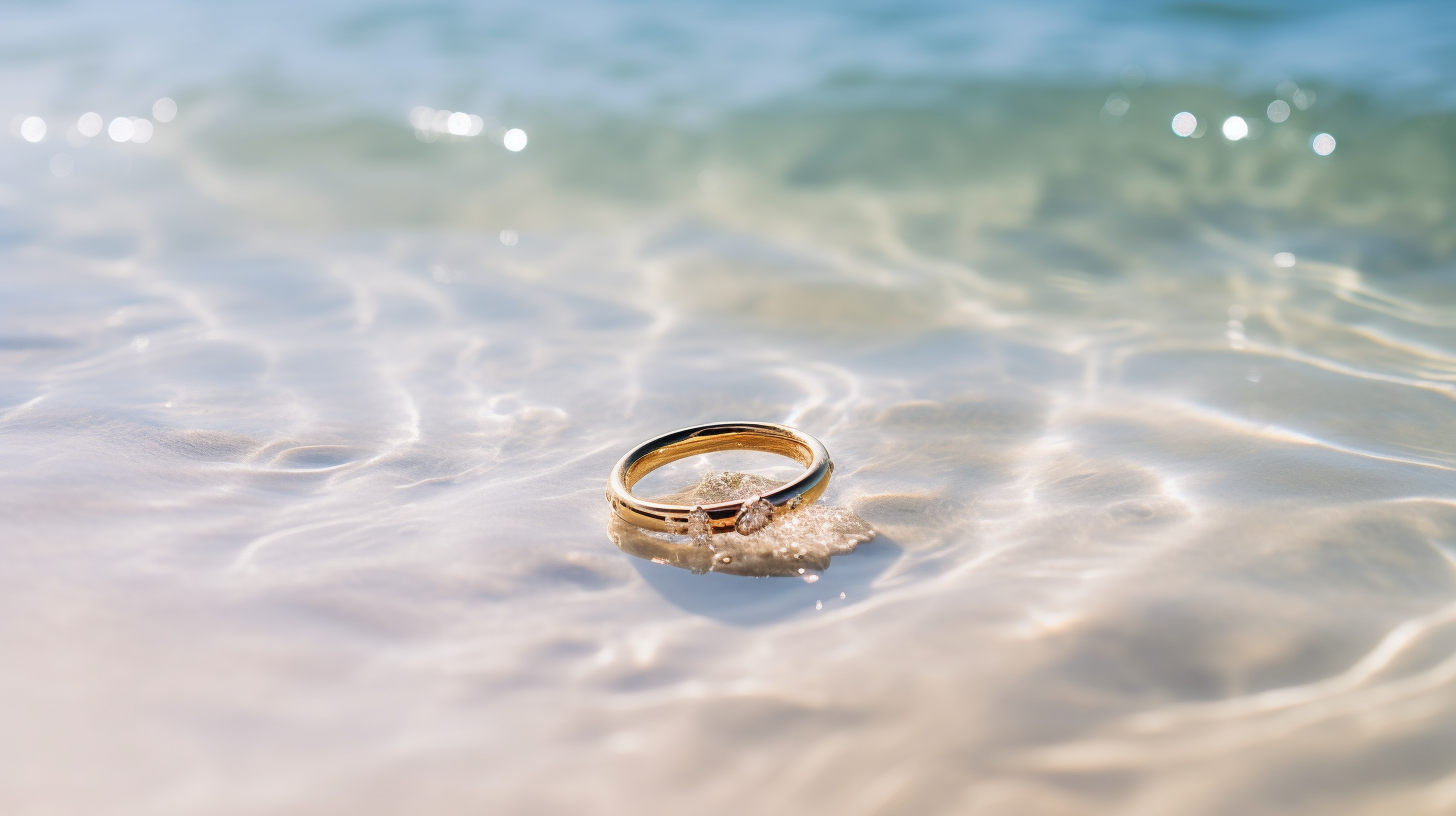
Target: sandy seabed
301	464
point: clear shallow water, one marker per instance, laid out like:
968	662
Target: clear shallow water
302	465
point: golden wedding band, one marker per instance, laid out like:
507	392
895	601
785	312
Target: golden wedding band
748	515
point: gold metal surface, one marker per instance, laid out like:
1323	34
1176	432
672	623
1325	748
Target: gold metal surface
719	436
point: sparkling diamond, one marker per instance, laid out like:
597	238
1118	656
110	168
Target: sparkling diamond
698	527
755	515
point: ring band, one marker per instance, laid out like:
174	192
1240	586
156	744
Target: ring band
745	515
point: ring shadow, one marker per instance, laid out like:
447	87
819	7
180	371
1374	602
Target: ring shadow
742	600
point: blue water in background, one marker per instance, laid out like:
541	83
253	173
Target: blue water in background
669	58
306	410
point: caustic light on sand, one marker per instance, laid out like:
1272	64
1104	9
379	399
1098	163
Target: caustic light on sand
514	140
33	129
1184	124
1235	128
1323	144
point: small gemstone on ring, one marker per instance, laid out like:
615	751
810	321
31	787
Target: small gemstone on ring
755	515
699	527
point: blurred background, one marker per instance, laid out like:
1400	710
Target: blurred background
1128	325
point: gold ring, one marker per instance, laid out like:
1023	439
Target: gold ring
748	515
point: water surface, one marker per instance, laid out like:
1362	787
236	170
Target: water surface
306	415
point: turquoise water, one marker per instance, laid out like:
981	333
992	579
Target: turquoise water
307	406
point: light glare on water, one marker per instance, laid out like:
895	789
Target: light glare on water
323	325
